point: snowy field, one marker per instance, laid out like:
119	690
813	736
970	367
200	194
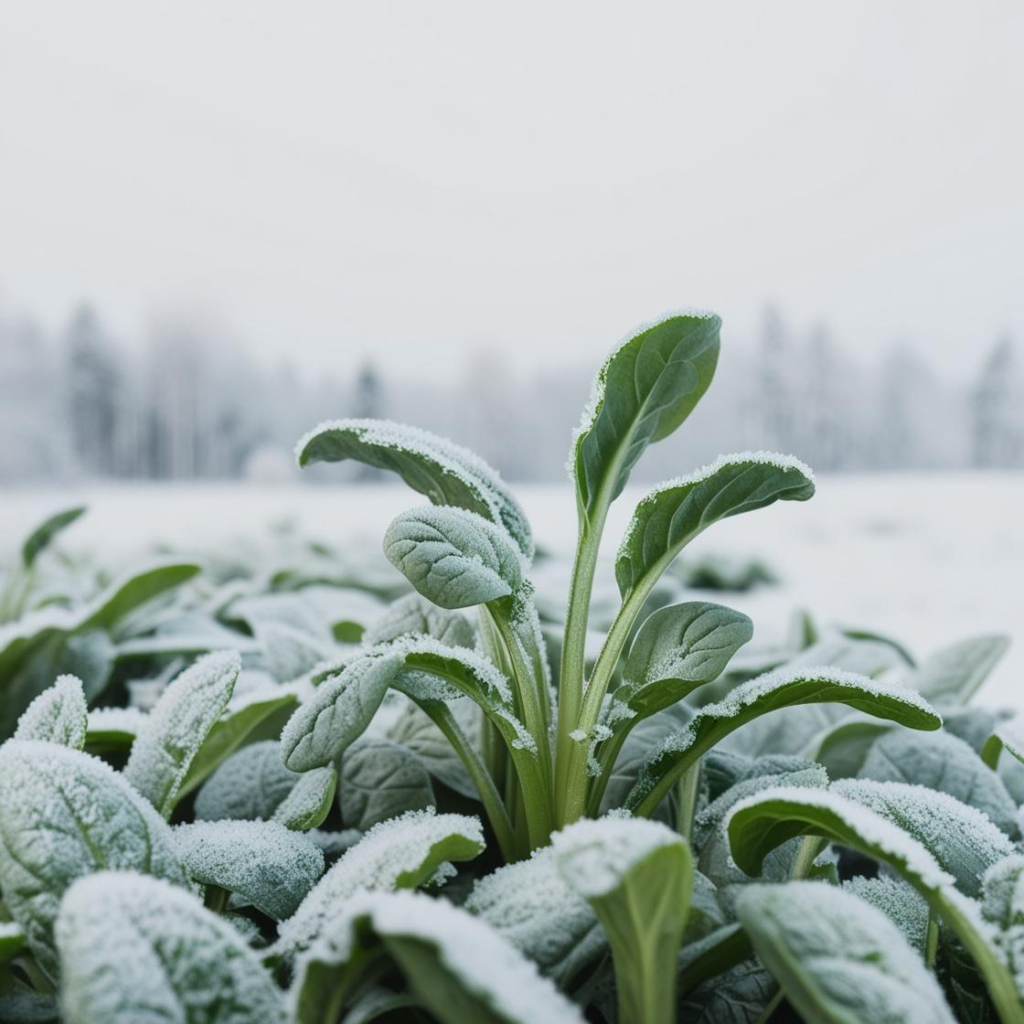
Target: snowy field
926	558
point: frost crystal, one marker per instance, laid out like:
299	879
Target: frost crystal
57	715
379	861
594	856
486	965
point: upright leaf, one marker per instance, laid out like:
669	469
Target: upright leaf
638	877
671	515
837	958
444	472
57	715
454	558
645	390
64	814
134	949
954	674
176	728
40	538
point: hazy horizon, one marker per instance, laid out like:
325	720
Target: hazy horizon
418	184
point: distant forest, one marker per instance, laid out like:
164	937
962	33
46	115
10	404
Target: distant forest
186	404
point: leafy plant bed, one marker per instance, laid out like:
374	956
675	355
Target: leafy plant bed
301	787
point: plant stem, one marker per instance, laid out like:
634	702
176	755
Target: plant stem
443	718
931	945
806	854
687	789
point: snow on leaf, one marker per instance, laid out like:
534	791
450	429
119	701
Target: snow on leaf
533	907
442	950
57	715
176	728
444	472
250	784
135	950
309	802
64	814
900	902
415	615
401	853
267	865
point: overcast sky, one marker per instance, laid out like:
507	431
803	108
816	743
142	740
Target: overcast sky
414	179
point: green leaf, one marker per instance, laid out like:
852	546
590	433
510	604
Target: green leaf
780	689
255	713
250	784
645	390
415	731
413	615
900	902
264	863
671	515
380	780
402	853
942	762
761	823
57	715
135	949
64	814
432	465
176	728
955	673
39	539
309	802
462	971
677	649
638	877
133	591
837	958
843	747
532	906
12	940
452	557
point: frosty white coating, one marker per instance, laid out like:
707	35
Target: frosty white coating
407	845
175	729
595	855
135	950
484	963
58	715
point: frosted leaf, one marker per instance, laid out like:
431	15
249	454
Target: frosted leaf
57	715
269	866
782	688
414	729
941	762
334	844
1003	888
401	853
452	557
838	958
673	513
135	950
176	728
64	814
644	390
595	856
955	673
900	902
444	472
250	784
679	648
310	800
380	780
415	615
962	839
533	907
456	952
339	711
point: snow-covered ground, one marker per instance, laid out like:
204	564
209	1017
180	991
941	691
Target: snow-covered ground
927	558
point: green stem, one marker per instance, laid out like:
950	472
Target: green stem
571	673
770	1007
443	718
931	945
806	854
687	789
40	982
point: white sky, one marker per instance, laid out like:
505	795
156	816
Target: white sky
415	178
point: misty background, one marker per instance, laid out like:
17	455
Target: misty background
220	224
